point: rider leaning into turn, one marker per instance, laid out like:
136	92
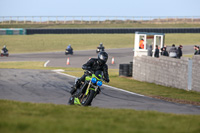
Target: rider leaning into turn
4	49
97	65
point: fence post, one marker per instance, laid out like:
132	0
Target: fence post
192	19
65	20
2	20
90	20
10	20
56	19
17	20
32	20
40	19
24	20
98	19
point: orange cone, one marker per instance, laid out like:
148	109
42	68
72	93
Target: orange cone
113	60
67	61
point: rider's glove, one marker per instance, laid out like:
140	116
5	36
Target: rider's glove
107	80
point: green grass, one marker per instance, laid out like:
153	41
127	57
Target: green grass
45	43
21	117
113	25
57	42
148	89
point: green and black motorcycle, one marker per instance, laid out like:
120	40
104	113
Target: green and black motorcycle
88	90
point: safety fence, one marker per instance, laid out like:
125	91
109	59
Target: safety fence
111	30
99	19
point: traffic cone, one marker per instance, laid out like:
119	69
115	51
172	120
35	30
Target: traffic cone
67	61
113	60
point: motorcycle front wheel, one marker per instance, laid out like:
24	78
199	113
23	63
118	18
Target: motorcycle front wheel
87	100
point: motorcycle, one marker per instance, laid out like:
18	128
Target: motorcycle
99	49
4	53
69	51
87	91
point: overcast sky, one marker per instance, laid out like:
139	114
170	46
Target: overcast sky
99	7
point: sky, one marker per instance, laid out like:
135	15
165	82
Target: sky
100	8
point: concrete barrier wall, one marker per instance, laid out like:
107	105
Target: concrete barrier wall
196	73
167	71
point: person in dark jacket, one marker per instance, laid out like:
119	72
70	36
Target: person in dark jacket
164	52
173	51
97	65
156	54
195	50
179	51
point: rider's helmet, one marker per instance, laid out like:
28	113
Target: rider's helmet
101	44
4	46
102	57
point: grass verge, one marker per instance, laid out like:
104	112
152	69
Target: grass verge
58	42
21	117
148	89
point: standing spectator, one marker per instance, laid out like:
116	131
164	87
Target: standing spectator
179	51
141	44
195	50
164	52
150	50
172	51
156	54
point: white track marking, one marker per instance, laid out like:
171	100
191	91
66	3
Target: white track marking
114	88
66	74
45	64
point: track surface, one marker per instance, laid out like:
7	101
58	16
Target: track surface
44	86
59	59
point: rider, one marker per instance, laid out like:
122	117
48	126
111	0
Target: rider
97	65
101	46
69	48
4	49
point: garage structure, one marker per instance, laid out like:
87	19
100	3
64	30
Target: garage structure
143	40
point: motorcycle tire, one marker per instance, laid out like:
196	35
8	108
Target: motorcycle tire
88	99
71	100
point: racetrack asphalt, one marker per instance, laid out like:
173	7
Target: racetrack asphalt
46	86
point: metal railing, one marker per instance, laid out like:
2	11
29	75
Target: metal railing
99	19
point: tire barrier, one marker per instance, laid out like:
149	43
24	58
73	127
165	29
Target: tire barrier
13	31
126	69
111	30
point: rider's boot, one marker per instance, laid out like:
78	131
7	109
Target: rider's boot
75	86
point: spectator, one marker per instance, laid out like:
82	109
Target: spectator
156	54
150	50
164	52
179	51
141	44
197	51
172	51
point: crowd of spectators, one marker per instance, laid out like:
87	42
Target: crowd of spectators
173	51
